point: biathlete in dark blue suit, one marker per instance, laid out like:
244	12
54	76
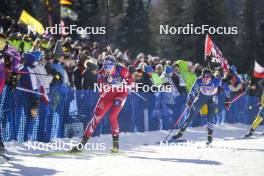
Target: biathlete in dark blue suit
205	90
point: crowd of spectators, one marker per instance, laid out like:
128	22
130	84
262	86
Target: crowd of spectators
65	69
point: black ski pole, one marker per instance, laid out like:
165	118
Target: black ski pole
177	122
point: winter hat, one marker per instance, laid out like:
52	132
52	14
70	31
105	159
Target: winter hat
29	58
233	69
168	69
109	62
91	66
159	68
148	69
206	71
141	66
37	54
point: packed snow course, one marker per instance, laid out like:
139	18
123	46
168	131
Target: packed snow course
143	154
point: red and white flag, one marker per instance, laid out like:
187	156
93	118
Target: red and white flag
210	49
258	71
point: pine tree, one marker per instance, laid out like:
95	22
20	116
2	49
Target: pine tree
248	43
213	13
171	14
259	13
134	32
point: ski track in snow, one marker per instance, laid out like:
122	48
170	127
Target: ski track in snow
141	155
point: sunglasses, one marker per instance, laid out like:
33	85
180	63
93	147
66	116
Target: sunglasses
108	67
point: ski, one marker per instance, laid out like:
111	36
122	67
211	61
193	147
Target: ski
60	153
79	154
168	142
242	138
177	141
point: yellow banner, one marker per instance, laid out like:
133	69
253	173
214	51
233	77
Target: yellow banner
33	24
65	2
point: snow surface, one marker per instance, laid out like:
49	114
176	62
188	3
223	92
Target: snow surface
142	156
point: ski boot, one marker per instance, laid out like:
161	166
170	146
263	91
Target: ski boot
180	133
80	146
209	137
177	136
115	148
254	125
250	133
2	148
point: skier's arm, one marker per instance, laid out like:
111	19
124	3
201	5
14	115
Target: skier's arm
223	86
226	90
194	91
128	77
100	82
100	79
125	74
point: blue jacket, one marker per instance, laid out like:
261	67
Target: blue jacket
210	89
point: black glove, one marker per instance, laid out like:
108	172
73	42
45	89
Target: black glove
227	104
7	61
189	103
13	81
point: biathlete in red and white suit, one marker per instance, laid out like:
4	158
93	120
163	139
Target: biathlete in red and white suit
113	94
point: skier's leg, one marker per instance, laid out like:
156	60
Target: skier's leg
102	106
197	105
256	122
113	118
212	105
2	146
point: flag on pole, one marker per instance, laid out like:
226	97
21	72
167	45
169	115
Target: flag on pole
65	2
210	49
33	24
258	71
